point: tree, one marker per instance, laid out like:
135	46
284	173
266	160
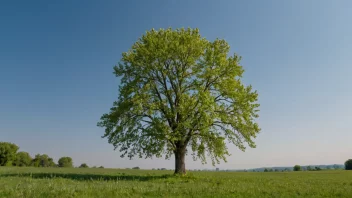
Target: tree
22	159
348	164
101	166
65	162
43	161
7	153
181	94
309	168
317	168
136	167
336	167
297	168
84	165
266	170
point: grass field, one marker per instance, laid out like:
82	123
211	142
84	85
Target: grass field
75	182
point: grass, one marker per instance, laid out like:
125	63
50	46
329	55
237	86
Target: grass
75	182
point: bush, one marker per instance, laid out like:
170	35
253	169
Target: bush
65	162
136	167
348	164
22	159
43	161
297	168
84	165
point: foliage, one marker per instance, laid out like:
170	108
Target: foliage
136	167
101	166
348	164
180	94
65	162
297	168
84	165
43	161
22	159
7	153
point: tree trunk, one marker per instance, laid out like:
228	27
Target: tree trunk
180	167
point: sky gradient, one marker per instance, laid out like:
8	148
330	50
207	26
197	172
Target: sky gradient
56	80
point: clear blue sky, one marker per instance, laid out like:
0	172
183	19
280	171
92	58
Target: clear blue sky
56	78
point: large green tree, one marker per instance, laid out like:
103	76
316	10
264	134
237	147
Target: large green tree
7	153
65	162
22	159
181	94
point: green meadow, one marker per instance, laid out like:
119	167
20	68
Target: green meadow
95	182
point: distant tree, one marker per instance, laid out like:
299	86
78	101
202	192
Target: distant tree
266	170
336	167
277	170
65	162
43	161
7	153
36	160
94	167
309	168
317	168
181	94
297	168
22	159
84	165
348	164
136	167
101	166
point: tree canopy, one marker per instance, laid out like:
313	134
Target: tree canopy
43	161
22	159
84	165
348	164
297	168
180	94
65	162
7	153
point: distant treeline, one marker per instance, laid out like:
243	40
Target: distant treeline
9	156
300	168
